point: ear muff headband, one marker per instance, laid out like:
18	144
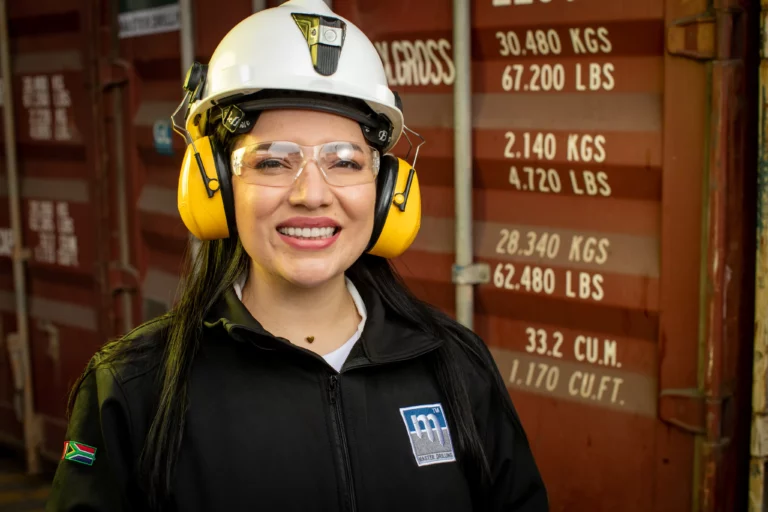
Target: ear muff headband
398	209
207	209
385	189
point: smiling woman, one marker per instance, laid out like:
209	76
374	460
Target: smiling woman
294	345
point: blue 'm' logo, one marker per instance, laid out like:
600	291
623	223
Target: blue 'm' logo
429	434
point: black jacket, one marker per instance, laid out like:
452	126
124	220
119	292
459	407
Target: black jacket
273	427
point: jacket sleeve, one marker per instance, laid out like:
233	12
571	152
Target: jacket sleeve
515	482
88	480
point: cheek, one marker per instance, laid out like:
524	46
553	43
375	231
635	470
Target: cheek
359	204
254	206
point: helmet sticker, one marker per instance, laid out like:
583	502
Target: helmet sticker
325	39
236	121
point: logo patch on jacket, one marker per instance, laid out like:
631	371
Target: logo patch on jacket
428	431
79	452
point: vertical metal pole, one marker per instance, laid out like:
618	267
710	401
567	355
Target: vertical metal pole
187	39
31	437
258	5
124	239
187	36
462	142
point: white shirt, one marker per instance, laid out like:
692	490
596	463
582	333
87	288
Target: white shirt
337	357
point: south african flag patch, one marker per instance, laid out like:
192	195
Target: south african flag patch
79	452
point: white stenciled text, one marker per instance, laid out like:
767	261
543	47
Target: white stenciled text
545	245
544	377
579	285
417	63
57	242
583	148
548	42
555	77
582	348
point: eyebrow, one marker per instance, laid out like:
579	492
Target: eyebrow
356	146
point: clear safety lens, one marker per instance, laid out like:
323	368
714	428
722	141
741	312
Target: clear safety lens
279	163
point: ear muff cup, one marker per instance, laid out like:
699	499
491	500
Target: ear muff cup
206	217
395	229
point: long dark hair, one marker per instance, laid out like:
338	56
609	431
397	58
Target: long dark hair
207	276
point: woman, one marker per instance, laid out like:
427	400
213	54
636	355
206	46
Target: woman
296	371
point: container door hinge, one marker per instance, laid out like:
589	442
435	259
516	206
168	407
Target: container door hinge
474	273
692	37
706	36
113	73
686	409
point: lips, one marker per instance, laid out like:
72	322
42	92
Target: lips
309	228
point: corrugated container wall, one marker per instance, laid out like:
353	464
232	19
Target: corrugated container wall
611	201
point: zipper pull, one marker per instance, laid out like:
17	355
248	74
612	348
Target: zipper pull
332	388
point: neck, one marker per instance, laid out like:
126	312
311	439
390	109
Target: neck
326	312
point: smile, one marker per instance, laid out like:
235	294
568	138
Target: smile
308	233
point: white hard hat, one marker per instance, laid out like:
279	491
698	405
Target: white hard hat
301	46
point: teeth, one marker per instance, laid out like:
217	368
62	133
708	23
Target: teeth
308	233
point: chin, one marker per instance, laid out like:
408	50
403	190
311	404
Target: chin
309	274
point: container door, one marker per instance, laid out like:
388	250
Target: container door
63	187
592	152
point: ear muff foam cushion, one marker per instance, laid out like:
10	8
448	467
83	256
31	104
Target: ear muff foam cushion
205	217
385	189
400	227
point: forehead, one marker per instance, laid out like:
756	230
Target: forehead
306	127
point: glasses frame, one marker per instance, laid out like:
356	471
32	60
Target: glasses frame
309	153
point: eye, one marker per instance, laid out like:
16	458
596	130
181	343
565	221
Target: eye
269	164
348	164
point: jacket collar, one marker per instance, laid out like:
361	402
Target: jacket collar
385	337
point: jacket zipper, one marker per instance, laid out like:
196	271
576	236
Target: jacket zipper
344	455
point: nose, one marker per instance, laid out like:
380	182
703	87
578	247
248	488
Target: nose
310	189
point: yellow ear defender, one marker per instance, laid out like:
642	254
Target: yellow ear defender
397	217
206	202
205	196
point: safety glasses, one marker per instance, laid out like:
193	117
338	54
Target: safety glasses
280	163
